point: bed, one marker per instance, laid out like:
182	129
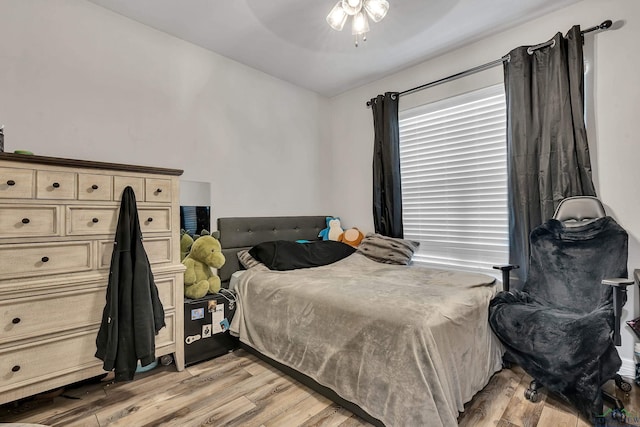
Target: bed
398	345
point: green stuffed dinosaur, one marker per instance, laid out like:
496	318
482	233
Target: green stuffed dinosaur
206	253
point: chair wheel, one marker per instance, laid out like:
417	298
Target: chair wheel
531	395
618	415
623	385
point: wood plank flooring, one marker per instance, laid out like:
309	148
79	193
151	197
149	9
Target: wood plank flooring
238	389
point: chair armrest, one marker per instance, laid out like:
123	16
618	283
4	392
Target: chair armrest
506	269
618	282
619	286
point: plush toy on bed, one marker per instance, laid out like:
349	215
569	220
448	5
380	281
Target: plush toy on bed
352	237
205	253
333	230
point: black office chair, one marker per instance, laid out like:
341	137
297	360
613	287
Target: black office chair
563	326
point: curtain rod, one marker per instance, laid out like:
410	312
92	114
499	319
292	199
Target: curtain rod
605	25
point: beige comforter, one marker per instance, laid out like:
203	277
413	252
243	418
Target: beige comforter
409	345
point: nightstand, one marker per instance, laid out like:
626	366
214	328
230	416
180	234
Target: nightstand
206	324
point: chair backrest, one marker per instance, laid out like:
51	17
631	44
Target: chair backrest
574	211
570	258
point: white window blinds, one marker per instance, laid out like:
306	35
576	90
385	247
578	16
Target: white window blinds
454	180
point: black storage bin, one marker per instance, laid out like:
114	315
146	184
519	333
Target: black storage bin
203	335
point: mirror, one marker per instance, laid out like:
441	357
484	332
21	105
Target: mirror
195	206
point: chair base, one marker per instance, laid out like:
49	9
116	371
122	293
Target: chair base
617	406
617	411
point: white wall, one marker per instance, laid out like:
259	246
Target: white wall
79	81
614	120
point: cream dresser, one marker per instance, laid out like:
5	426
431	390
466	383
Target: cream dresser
58	220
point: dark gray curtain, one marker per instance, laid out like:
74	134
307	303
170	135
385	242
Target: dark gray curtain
548	154
387	193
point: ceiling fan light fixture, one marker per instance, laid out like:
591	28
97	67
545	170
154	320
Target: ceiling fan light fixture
360	27
360	12
337	17
352	7
360	24
376	9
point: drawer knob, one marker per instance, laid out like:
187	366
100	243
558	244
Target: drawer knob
56	184
25	220
94	186
15	368
95	220
15	320
11	182
149	219
159	190
45	259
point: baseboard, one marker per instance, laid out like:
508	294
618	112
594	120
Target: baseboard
628	368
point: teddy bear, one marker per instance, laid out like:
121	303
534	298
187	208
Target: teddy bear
205	253
333	230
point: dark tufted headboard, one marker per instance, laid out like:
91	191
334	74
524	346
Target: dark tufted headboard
244	232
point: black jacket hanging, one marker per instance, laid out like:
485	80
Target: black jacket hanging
133	314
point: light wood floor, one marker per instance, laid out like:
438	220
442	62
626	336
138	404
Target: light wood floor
240	390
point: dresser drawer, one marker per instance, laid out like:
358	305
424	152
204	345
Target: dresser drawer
25	260
121	182
167	292
94	187
167	335
55	185
43	315
155	219
29	221
158	250
16	183
158	190
22	365
90	220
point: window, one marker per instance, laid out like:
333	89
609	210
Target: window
453	163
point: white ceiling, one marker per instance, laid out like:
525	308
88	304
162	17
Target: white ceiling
291	40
